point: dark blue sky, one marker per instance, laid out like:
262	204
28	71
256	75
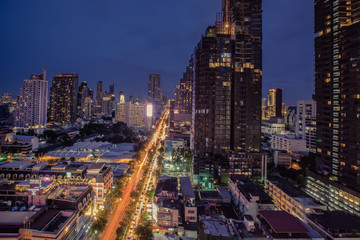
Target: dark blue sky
121	42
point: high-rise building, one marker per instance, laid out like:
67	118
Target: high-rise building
31	108
155	94
99	97
82	94
120	113
88	107
112	89
275	102
227	92
306	123
337	89
63	97
135	113
183	94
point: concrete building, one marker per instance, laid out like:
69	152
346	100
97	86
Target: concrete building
289	198
282	225
287	143
63	98
247	197
337	77
335	225
31	107
336	196
306	123
282	158
227	90
101	178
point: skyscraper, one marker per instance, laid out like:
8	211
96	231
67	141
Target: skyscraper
227	92
63	97
99	97
275	102
183	94
155	93
82	94
31	109
337	88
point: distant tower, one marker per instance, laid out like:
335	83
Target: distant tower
155	93
63	97
99	97
31	109
275	102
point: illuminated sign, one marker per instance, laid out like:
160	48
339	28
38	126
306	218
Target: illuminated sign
68	175
149	110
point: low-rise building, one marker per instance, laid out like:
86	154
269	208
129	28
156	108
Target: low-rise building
282	158
332	225
332	194
291	199
287	143
166	213
272	128
216	229
101	178
247	197
282	225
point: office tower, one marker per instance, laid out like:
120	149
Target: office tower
31	109
99	97
337	89
226	124
107	106
275	102
111	89
82	94
306	123
135	113
155	94
88	107
63	97
120	113
183	94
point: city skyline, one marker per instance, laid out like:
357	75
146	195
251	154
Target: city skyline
113	58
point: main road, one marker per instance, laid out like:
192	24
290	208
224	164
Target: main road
118	213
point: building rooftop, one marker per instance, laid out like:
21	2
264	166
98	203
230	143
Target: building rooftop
224	193
16	164
336	221
210	195
288	188
250	190
10	217
216	227
283	222
186	188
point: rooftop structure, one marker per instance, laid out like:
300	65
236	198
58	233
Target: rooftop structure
282	225
335	224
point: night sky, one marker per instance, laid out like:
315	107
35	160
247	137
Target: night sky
122	42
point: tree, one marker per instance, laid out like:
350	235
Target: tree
144	231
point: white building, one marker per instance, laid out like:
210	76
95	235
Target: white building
306	123
31	109
287	143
